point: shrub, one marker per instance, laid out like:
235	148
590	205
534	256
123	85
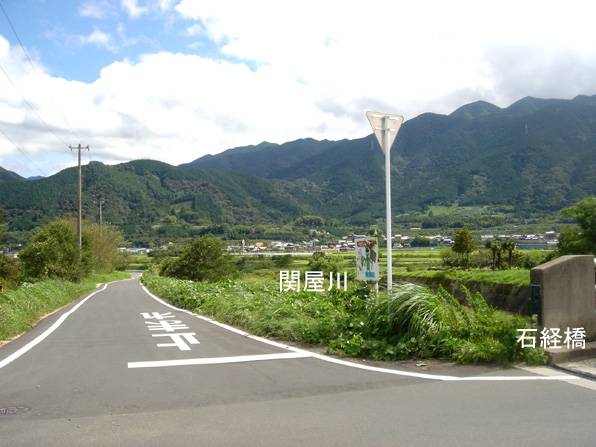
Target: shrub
202	260
325	263
11	272
54	251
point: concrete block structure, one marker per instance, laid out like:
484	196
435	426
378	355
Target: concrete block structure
563	292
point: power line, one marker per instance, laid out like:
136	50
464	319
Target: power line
35	71
25	155
17	36
31	107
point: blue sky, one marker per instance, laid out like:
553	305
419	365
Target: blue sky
173	80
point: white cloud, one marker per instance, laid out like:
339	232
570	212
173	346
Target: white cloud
132	8
406	54
308	69
98	38
95	9
138	8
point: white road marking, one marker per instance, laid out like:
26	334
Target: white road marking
48	331
218	360
305	354
297	353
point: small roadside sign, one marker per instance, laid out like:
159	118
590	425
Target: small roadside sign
367	259
384	122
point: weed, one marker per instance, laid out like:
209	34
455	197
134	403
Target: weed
411	321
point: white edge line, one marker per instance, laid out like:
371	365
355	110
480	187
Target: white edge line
217	360
52	328
306	353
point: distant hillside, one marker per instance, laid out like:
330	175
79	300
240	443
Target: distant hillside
263	159
143	193
536	156
9	176
476	110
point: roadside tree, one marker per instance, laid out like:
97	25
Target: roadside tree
54	251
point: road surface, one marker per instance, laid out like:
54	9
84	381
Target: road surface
121	368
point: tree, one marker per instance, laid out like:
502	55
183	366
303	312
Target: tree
421	241
582	240
54	251
464	244
509	246
240	232
10	271
495	247
310	221
202	260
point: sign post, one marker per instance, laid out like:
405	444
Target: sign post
385	127
367	259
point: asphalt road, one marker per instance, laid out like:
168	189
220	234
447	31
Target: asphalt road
120	368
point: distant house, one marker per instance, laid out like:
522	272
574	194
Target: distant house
137	251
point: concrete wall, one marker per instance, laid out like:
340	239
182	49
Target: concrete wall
500	296
567	293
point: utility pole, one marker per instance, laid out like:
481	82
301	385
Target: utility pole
80	218
100	217
101	202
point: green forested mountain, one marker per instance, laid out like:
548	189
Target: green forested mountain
263	159
9	176
144	193
536	156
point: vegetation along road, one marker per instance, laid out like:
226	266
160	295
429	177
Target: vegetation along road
121	367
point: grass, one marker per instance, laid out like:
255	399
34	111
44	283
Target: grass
262	310
140	262
21	308
410	322
517	277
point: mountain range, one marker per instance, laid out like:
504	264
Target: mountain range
535	156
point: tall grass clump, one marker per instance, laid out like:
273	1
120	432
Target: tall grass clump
413	321
308	317
410	321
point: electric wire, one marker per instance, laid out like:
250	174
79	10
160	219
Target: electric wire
31	107
28	103
23	153
35	71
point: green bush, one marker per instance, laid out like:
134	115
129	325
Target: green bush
325	263
202	260
54	251
11	272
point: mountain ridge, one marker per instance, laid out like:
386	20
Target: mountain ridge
535	156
